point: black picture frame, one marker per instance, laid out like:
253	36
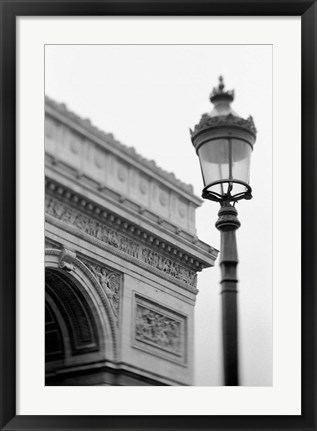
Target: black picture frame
307	10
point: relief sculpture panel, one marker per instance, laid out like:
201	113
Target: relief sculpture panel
159	329
111	282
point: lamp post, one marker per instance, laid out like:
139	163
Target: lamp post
223	142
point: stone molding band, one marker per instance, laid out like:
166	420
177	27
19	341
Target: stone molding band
60	191
126	245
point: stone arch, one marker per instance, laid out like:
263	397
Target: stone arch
71	324
96	314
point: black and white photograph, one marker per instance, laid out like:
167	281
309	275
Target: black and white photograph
158	241
158	215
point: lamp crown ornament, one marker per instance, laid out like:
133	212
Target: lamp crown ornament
223	114
218	93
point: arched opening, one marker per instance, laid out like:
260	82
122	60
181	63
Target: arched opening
76	313
74	347
80	329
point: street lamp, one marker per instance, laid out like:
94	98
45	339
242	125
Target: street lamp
223	142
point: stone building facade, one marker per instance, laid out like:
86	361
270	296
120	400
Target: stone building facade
121	256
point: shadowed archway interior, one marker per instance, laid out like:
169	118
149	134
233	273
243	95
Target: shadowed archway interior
69	319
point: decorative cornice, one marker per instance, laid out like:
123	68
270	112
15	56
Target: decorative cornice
108	137
118	241
208	122
119	224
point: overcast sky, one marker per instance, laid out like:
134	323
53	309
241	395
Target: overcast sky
149	96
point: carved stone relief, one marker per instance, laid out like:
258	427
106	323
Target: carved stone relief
118	241
159	327
111	283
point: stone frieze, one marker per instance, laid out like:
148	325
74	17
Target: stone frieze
119	241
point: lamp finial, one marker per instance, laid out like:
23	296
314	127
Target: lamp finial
218	94
221	85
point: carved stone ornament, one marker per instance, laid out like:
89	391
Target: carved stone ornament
207	122
110	282
118	241
158	329
66	259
